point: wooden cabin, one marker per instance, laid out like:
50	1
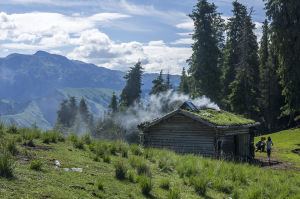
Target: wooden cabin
208	132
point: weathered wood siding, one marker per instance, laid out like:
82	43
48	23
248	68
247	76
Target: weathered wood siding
183	135
237	141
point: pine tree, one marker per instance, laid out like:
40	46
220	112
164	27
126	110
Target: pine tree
158	85
83	110
204	62
132	90
113	103
244	60
73	109
184	86
232	48
63	114
168	82
285	23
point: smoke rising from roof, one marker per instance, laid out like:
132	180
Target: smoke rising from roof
159	105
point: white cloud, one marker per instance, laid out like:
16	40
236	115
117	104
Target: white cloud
157	43
60	3
183	41
96	47
188	24
185	34
49	30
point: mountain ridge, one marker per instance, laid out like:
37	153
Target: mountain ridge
37	83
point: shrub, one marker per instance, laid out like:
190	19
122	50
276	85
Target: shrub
79	144
96	158
164	184
131	176
46	138
11	147
136	150
174	194
19	139
120	170
222	185
99	185
112	149
143	168
73	138
30	143
2	128
188	167
163	164
124	152
200	184
6	165
12	129
86	139
52	136
36	165
106	158
145	184
149	153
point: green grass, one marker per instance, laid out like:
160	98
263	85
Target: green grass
221	117
188	176
285	142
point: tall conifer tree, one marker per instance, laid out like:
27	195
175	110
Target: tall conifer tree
158	85
242	60
132	90
204	62
285	28
184	86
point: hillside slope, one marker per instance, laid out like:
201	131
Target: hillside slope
117	170
286	146
42	111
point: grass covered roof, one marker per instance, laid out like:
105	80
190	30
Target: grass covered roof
222	118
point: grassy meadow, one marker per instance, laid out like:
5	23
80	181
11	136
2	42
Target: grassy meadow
286	146
119	170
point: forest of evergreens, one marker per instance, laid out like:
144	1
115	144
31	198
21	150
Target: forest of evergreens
256	79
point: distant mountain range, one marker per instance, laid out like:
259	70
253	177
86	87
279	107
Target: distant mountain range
32	86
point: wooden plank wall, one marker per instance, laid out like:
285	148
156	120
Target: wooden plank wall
183	135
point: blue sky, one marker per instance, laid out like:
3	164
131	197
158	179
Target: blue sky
110	33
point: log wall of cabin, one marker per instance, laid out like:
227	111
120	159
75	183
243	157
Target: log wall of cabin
183	135
237	141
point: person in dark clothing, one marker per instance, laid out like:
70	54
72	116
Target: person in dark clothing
258	145
269	147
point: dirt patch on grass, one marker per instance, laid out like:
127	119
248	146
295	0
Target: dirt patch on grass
274	164
297	151
39	148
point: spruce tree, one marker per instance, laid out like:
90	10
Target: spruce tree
184	86
243	60
158	85
113	103
168	82
285	23
83	110
63	114
204	62
132	91
73	109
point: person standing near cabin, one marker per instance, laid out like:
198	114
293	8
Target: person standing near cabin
269	147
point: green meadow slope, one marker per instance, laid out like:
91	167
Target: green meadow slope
286	146
119	170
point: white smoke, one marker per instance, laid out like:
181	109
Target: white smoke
158	106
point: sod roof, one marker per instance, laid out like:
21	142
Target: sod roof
210	117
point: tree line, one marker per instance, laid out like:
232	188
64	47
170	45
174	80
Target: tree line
258	80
